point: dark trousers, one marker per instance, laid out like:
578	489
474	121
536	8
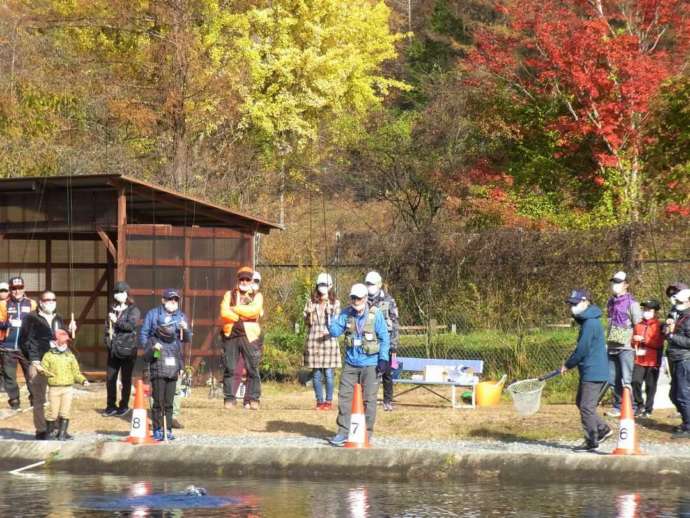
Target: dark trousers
680	390
250	352
588	393
115	366
10	361
163	396
672	390
387	382
648	376
349	377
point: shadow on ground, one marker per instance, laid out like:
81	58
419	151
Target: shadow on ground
484	433
305	429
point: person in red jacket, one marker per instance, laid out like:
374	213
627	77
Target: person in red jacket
648	341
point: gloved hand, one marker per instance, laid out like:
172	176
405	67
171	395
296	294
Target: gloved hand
157	347
86	383
381	367
183	324
113	317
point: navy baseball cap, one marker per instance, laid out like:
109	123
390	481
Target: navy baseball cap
171	293
16	282
577	296
651	304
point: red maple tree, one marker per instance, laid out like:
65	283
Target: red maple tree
605	60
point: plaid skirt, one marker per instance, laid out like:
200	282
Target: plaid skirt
321	351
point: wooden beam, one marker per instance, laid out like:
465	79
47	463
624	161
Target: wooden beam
193	263
174	231
97	292
107	242
121	234
75	266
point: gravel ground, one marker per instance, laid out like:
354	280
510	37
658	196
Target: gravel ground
287	419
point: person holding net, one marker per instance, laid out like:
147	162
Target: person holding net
591	359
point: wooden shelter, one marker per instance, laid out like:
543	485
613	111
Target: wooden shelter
78	235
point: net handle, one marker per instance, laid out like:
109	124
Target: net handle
549	375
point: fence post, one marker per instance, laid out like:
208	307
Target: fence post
453	329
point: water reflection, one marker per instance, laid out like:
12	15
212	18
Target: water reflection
62	496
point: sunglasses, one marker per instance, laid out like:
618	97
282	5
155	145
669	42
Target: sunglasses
17	288
48	300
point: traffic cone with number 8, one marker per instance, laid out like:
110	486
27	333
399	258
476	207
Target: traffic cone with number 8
628	443
357	435
140	432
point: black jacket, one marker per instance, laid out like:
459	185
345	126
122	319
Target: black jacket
124	333
170	361
36	334
679	341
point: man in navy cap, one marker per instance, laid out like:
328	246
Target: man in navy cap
167	315
591	359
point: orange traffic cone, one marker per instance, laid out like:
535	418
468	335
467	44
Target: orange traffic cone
357	435
139	433
628	443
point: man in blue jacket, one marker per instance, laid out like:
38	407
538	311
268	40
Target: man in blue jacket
591	359
367	345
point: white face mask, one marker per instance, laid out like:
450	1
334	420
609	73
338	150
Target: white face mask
121	297
359	307
578	308
255	287
672	299
48	307
244	288
373	290
682	306
53	344
648	315
62	348
171	306
617	288
323	290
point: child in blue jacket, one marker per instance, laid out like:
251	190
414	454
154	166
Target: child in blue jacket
591	359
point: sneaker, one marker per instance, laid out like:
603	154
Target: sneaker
14	404
176	424
319	405
606	435
170	435
254	405
647	413
158	435
614	412
246	406
327	405
339	440
681	434
229	404
388	407
42	436
586	447
109	412
122	412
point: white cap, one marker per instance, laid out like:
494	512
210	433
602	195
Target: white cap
256	276
4	286
619	277
373	278
324	278
683	295
359	291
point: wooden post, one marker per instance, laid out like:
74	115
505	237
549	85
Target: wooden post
121	234
49	264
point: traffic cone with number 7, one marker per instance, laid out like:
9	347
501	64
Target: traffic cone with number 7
628	443
140	432
357	435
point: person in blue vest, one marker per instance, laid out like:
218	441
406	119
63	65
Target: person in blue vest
367	345
161	337
591	358
13	310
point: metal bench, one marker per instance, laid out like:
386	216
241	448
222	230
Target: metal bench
418	365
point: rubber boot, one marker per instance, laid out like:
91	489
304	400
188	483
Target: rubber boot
62	433
51	430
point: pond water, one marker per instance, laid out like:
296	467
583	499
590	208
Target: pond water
64	495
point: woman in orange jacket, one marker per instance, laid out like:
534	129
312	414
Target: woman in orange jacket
240	311
648	341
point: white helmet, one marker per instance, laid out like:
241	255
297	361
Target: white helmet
256	277
358	291
374	278
324	278
683	296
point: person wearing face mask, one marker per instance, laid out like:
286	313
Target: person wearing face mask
321	350
386	304
648	342
13	309
240	311
168	314
367	349
62	370
590	357
36	334
671	318
678	337
121	341
623	314
4	295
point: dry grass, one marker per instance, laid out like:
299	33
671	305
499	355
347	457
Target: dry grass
287	410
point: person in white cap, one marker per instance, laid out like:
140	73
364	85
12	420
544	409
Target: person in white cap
678	337
624	313
321	350
4	295
386	304
367	345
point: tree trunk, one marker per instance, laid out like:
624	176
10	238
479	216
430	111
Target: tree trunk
180	151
